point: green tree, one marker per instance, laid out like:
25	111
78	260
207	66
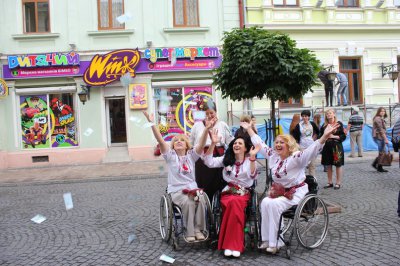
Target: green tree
258	63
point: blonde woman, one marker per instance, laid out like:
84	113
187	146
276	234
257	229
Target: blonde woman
287	165
332	154
181	159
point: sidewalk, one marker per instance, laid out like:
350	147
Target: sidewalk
138	169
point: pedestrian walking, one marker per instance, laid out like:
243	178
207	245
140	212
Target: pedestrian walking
240	171
181	158
355	127
332	153
328	86
305	133
210	179
379	135
342	90
288	171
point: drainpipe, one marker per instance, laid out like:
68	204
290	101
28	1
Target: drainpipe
242	13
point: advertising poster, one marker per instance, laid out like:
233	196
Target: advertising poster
34	121
63	125
138	96
176	108
3	89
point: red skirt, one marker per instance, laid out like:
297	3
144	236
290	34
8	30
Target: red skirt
231	235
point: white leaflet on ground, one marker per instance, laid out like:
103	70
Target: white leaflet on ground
167	258
38	219
68	201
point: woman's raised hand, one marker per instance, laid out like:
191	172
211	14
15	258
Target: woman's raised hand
254	150
215	138
210	123
330	129
149	117
245	125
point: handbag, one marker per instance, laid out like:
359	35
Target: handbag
395	143
385	159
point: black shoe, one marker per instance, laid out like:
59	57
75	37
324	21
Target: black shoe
328	186
375	163
380	169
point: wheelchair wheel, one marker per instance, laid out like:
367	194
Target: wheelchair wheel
217	213
311	221
165	218
253	222
209	215
286	224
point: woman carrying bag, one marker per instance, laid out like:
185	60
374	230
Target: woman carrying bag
379	135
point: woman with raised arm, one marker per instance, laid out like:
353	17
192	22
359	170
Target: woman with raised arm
287	165
182	185
239	172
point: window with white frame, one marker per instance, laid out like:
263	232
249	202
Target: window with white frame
285	3
347	3
186	13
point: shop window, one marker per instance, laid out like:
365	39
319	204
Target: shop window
178	108
47	121
347	3
286	3
292	102
36	16
108	11
351	67
186	13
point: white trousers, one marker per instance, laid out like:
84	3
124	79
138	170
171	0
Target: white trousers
271	210
193	212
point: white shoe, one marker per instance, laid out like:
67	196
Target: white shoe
264	245
228	252
236	253
272	250
200	236
190	239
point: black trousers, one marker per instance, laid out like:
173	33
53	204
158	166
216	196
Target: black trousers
328	95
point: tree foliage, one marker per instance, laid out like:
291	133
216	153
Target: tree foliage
258	63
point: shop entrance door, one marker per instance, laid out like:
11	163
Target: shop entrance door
116	121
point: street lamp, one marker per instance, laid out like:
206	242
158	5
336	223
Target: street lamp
84	94
390	70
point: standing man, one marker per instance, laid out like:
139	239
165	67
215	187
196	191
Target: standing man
342	91
328	86
355	126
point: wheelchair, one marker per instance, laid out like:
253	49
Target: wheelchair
251	229
309	220
172	223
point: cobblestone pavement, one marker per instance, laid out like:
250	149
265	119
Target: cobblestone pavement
107	211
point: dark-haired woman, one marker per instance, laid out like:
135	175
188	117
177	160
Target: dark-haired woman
379	135
239	172
210	179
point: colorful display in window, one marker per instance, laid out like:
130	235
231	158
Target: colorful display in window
47	125
176	108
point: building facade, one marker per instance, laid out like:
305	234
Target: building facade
354	37
55	51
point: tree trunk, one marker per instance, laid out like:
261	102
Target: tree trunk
273	120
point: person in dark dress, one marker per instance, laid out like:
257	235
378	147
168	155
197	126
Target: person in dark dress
332	153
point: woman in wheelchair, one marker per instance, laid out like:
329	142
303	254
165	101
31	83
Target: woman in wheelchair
182	184
288	166
239	172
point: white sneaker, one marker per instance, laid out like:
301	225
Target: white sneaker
190	239
200	236
264	245
228	252
236	253
272	250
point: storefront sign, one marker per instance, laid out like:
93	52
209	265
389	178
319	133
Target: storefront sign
138	96
3	89
44	65
180	52
104	69
43	60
